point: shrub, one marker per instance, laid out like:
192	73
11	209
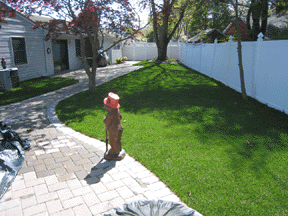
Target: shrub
172	60
109	63
124	58
118	60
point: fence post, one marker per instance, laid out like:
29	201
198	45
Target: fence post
186	51
201	47
228	66
133	50
170	45
145	50
213	61
255	76
178	54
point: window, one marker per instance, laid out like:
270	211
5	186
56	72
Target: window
19	50
78	47
117	47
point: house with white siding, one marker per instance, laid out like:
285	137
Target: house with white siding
26	49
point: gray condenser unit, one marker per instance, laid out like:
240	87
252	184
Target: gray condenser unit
5	80
14	77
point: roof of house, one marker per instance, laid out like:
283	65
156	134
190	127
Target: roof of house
231	23
198	37
39	18
273	19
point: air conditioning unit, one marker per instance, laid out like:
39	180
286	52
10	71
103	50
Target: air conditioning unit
5	80
14	77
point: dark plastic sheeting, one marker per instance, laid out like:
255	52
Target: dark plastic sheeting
12	157
153	208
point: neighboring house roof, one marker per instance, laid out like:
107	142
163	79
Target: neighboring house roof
209	33
275	25
230	30
231	23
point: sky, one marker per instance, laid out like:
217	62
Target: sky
142	13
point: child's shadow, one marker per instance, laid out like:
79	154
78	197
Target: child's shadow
98	171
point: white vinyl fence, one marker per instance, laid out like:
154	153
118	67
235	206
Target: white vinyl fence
265	67
148	50
114	54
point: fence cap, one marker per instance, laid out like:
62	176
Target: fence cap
260	36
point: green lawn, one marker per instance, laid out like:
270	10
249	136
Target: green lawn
34	87
220	154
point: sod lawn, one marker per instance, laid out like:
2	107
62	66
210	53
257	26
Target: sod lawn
34	87
220	154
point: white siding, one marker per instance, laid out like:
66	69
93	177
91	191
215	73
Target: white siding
74	62
49	58
20	26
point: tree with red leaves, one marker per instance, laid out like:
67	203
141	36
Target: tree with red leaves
86	18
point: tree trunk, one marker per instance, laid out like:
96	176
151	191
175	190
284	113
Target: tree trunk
259	12
162	51
92	81
239	48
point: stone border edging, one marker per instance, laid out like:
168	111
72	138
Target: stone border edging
51	115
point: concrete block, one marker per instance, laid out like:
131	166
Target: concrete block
57	186
91	199
46	197
81	191
101	208
74	184
10	204
34	209
73	202
115	184
40	189
54	206
82	210
99	188
28	201
109	195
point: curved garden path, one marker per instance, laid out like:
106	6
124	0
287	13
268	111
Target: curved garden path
63	173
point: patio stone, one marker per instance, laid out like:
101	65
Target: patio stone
61	175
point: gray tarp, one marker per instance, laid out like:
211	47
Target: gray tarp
153	208
12	156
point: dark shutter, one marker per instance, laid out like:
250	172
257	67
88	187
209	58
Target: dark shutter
19	50
78	47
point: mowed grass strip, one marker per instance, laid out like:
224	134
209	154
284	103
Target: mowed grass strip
220	154
34	87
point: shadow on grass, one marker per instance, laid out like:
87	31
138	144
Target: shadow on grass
34	87
183	97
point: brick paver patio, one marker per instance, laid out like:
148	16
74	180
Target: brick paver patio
63	173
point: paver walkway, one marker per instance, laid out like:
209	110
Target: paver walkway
62	174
